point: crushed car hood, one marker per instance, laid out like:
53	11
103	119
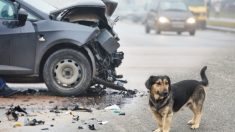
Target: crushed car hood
109	5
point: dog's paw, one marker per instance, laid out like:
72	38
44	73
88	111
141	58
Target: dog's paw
196	126
157	130
191	122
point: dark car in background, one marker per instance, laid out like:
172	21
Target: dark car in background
70	49
170	15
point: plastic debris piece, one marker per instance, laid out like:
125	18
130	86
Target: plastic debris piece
18	124
102	122
80	127
34	122
12	115
113	107
76	118
91	127
122	113
77	107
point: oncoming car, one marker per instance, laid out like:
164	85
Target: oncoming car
70	49
170	15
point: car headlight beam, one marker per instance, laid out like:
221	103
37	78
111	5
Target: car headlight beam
163	20
191	20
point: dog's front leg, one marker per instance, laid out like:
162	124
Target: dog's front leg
167	118
159	121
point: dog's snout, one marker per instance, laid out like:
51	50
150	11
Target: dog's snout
165	93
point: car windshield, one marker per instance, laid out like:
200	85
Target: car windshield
195	2
41	5
173	6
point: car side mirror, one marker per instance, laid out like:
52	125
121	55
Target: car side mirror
22	17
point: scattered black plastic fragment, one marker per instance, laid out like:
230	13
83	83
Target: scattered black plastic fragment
122	113
80	127
12	112
81	109
91	127
76	118
35	122
55	110
64	108
2	107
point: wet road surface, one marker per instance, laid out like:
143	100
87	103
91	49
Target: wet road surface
180	57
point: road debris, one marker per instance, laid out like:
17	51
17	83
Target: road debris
2	107
12	113
44	129
102	122
91	127
113	107
122	113
80	127
55	110
77	107
76	118
18	124
34	122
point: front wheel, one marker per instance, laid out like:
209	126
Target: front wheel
67	72
192	33
147	29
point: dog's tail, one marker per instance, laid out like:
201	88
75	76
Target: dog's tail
203	76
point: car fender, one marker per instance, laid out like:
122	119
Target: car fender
53	33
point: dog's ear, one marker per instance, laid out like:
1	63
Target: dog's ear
169	81
149	82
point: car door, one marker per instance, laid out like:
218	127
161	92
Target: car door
6	14
152	15
18	43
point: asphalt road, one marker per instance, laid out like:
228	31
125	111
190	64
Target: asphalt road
180	57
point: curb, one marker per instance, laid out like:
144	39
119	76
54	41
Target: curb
221	29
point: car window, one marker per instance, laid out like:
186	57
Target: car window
173	6
195	2
7	10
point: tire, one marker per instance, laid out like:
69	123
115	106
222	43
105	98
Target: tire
179	33
147	29
158	31
203	25
192	33
67	72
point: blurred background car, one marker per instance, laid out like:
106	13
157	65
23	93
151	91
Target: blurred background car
199	10
170	15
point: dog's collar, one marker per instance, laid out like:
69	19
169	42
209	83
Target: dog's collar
158	104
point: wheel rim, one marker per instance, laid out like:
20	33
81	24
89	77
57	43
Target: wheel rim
67	73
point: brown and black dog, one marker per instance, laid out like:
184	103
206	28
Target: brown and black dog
166	98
